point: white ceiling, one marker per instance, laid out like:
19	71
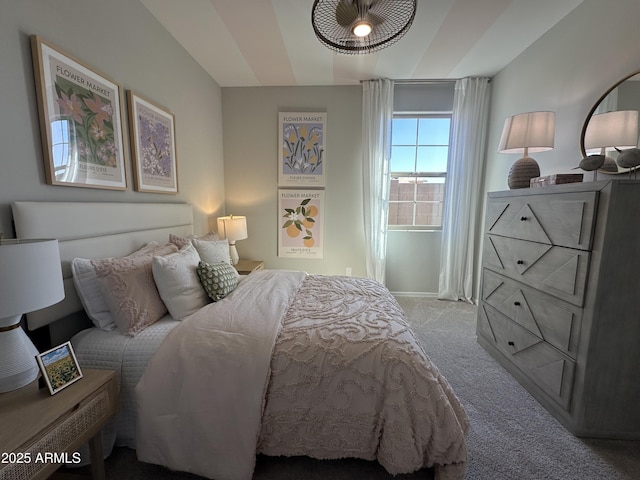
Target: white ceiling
271	42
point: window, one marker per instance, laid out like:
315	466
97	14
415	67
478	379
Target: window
418	170
60	132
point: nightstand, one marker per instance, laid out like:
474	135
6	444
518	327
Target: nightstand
245	267
38	428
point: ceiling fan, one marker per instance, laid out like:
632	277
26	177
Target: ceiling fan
361	26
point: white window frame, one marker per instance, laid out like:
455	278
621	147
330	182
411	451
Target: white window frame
393	173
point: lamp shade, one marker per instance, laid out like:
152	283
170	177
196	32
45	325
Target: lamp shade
30	279
30	276
617	129
528	132
232	227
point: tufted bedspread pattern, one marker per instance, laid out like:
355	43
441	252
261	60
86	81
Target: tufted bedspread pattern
295	364
349	379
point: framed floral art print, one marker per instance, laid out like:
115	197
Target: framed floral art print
80	121
152	131
301	149
301	223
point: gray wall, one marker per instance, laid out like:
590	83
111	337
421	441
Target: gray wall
629	94
413	262
123	40
567	70
250	117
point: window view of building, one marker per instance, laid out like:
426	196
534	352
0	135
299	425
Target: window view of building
418	167
60	141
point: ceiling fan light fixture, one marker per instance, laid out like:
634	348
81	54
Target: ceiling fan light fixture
362	29
361	26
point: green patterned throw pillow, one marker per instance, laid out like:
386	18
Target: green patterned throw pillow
218	279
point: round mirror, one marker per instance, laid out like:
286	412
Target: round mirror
624	95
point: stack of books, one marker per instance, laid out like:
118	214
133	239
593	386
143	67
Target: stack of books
555	179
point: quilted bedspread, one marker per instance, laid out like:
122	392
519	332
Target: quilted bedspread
294	364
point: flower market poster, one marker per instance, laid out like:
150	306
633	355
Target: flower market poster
83	121
301	223
301	159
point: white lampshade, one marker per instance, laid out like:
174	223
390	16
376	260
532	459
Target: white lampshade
617	129
527	133
232	227
30	279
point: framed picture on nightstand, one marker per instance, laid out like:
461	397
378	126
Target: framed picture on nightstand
59	367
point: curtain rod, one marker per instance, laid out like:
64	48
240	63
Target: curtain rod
425	81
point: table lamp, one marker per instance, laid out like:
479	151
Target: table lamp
30	279
616	130
233	228
526	133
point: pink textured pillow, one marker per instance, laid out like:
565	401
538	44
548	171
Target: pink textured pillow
130	291
182	242
89	290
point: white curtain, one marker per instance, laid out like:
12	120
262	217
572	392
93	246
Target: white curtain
463	187
377	115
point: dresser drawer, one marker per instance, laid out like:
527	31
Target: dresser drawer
558	323
565	219
541	363
558	271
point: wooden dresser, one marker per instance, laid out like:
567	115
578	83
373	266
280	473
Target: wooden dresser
560	300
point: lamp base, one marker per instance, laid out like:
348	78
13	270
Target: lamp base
609	165
521	173
233	253
18	366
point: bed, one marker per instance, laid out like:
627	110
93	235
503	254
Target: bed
278	362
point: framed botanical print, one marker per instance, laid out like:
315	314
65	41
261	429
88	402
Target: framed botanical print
301	149
153	138
301	223
80	121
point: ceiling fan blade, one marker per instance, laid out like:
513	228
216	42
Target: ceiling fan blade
346	13
375	19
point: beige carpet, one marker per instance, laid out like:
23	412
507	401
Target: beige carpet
512	437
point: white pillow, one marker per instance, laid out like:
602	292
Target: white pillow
90	293
213	251
178	283
90	290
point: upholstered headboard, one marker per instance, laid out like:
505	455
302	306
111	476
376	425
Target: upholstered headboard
94	230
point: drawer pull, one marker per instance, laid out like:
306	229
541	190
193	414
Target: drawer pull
517	304
511	343
523	219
